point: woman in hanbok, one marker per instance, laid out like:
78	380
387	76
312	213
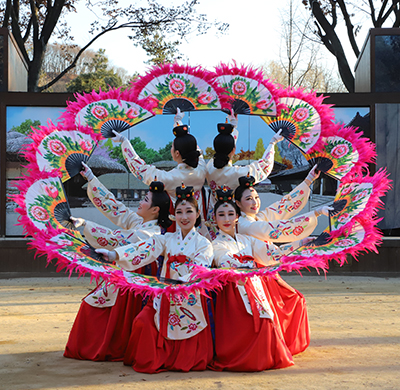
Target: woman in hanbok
171	333
248	336
220	171
191	168
278	223
103	324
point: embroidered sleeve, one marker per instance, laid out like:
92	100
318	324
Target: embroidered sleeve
114	210
287	207
223	258
281	230
134	256
262	168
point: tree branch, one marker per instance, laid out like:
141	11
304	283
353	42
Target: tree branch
350	27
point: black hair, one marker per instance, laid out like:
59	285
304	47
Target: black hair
224	143
186	144
245	182
161	199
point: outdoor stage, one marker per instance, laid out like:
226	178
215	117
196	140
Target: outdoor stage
355	340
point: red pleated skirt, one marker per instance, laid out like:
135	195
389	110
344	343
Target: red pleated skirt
290	306
102	334
145	355
238	347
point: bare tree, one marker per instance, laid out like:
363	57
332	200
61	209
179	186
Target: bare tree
332	15
34	23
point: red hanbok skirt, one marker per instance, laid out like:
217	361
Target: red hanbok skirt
290	306
238	346
102	334
145	354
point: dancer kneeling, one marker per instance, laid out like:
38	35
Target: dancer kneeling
247	331
103	324
171	334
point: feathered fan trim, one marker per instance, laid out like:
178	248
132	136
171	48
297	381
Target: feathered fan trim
43	246
119	280
73	107
251	73
325	111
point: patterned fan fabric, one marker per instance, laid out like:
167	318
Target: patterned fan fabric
247	90
299	121
168	87
45	205
337	159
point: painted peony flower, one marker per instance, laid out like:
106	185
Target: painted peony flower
263	104
301	114
344	218
346	242
99	112
239	87
343	168
305	138
205	98
339	151
86	145
52	191
152	101
39	213
56	147
346	190
177	86
132	113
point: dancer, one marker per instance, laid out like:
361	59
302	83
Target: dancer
171	333
103	324
247	331
191	168
270	225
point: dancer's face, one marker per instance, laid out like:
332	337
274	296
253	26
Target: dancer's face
226	218
250	202
146	210
186	215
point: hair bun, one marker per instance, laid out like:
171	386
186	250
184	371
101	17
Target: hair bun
225	128
184	192
246	181
156	186
224	194
181	130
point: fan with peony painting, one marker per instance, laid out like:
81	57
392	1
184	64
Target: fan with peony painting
106	111
247	91
60	149
170	86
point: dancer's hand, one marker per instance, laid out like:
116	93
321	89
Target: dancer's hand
324	210
118	137
86	172
178	117
312	175
233	119
78	222
276	138
108	255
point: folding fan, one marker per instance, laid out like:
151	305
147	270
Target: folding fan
105	111
65	150
170	86
247	90
336	159
46	205
299	121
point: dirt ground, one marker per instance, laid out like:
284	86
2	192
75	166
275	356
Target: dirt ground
355	341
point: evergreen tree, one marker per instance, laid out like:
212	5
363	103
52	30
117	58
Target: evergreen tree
260	149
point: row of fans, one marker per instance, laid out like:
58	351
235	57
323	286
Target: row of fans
58	151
